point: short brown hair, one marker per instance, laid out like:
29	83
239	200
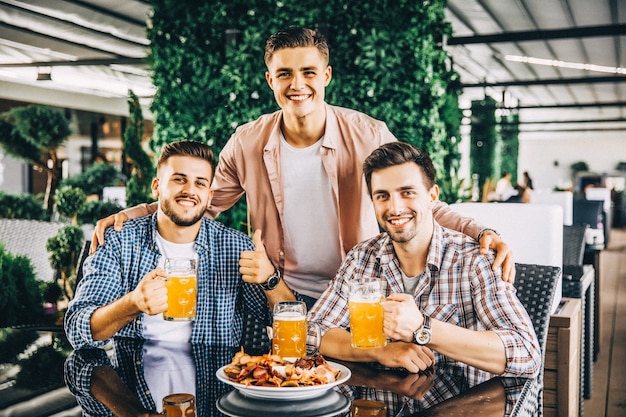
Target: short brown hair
296	37
188	148
398	153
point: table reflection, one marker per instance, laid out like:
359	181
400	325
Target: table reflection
131	377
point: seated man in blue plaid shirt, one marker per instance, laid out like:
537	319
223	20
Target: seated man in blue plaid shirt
123	292
442	293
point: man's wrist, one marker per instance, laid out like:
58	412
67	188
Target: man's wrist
485	230
272	281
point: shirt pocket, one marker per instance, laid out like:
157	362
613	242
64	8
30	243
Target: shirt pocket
448	313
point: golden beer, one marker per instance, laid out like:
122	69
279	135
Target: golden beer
181	298
366	324
289	340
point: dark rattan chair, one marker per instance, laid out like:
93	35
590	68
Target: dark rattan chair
578	282
536	286
254	339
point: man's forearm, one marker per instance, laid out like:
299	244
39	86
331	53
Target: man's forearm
140	210
109	319
480	349
450	219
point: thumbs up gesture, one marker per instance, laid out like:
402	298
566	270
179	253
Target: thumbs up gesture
255	266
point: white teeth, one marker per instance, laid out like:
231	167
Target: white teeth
298	98
186	203
398	222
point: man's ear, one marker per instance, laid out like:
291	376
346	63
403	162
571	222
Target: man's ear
434	193
328	75
155	187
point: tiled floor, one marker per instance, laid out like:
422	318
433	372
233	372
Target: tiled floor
608	398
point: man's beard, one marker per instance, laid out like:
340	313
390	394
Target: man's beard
169	212
406	235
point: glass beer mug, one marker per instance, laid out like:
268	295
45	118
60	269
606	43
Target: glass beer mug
181	284
292	336
366	313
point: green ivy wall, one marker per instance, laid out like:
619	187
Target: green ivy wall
386	57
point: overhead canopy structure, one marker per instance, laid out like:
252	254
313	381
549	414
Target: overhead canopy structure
561	62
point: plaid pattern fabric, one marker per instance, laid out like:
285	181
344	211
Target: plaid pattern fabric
458	287
127	256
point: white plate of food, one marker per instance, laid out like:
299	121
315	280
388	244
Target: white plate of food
287	393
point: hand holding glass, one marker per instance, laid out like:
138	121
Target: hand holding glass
366	313
181	284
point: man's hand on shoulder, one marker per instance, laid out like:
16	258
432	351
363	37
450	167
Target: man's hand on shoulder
115	220
504	254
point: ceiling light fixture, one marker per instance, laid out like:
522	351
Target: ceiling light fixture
564	64
44	74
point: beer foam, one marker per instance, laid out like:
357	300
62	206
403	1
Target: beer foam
289	316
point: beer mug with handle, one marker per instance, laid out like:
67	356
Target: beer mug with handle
291	334
366	313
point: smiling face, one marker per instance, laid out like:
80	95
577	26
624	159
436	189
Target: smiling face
403	203
298	77
183	187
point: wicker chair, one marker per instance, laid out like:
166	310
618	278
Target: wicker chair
536	286
578	282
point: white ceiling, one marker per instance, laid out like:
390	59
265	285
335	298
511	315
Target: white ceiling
94	51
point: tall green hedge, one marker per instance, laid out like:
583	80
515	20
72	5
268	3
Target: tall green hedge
386	56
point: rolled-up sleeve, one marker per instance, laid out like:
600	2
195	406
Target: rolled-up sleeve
500	311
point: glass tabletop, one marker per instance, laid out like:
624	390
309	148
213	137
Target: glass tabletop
140	370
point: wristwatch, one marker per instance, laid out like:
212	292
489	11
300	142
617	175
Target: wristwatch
423	335
272	281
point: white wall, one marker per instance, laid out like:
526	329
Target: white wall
12	174
538	155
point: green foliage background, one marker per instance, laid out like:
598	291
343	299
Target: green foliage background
484	138
387	61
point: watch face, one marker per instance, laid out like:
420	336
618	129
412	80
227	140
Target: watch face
271	283
422	337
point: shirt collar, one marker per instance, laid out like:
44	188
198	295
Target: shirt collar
329	139
201	243
386	253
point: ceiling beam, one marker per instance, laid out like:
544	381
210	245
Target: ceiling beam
551	81
541	35
575	105
535	122
102	61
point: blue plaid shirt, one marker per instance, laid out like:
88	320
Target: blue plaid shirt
458	287
127	256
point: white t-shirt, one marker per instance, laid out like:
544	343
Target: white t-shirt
168	368
155	327
312	250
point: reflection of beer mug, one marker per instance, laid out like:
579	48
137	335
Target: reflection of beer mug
181	287
292	336
368	408
366	313
179	405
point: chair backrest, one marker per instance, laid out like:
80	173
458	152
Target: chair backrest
534	232
565	199
589	212
574	244
84	253
536	288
